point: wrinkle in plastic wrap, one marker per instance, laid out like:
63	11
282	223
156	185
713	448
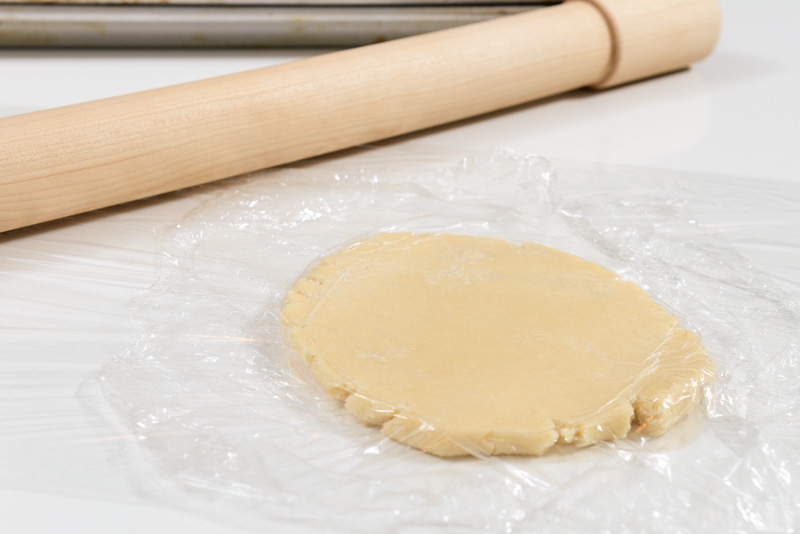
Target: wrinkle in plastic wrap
227	418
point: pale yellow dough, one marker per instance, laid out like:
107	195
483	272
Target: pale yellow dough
468	345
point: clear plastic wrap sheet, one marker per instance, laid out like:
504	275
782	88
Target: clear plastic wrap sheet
234	429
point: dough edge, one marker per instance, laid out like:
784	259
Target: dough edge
651	411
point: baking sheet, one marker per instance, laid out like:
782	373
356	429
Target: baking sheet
224	24
66	287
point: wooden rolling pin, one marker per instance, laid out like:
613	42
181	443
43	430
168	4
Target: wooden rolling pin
78	158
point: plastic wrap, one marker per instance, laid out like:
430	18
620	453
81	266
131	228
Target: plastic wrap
225	417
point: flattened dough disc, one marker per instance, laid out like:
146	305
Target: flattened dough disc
459	344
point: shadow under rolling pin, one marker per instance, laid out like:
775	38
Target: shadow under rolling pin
78	158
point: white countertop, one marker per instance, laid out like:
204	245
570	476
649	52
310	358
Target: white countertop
65	287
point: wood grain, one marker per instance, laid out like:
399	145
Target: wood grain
74	159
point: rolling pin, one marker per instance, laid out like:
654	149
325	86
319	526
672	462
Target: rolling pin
64	161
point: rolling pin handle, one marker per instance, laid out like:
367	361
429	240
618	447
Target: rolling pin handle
652	37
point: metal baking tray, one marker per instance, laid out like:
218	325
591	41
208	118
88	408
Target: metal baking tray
247	23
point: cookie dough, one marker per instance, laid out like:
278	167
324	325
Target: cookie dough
463	345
